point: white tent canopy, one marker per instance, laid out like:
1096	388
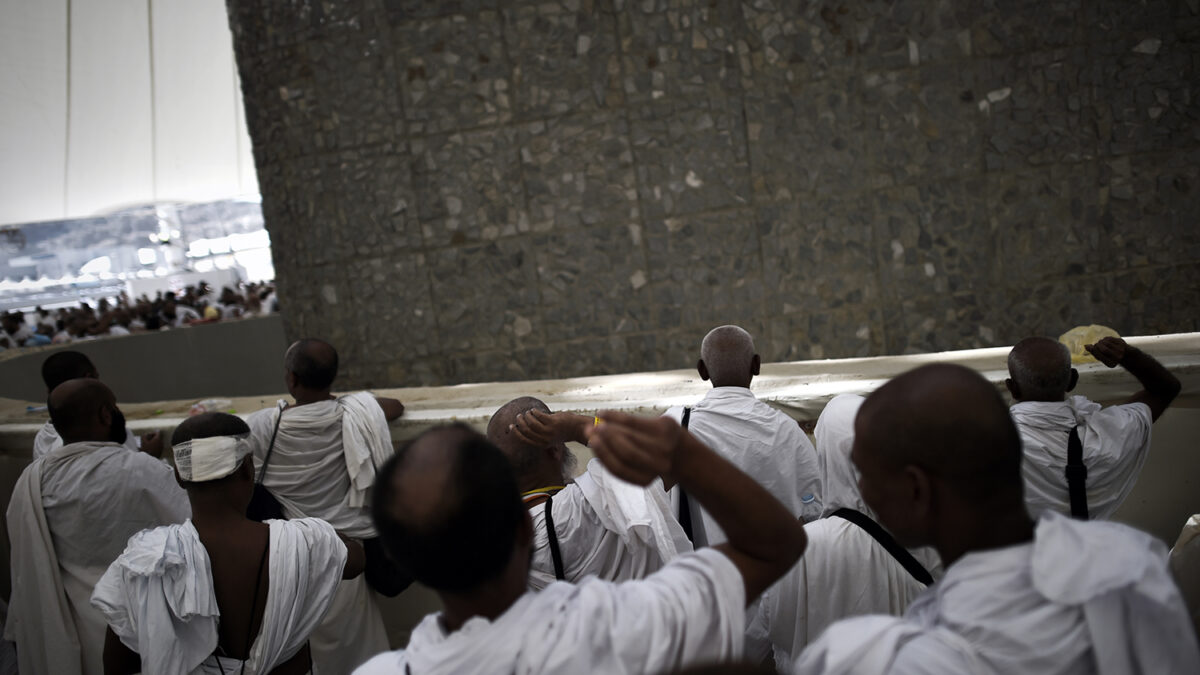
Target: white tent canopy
115	102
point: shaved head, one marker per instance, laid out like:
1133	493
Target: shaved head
949	421
313	362
727	353
523	457
1040	367
77	408
448	510
66	365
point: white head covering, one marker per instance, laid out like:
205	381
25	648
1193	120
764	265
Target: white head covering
835	436
205	459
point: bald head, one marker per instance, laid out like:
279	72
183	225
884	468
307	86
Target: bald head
66	365
448	510
1039	369
528	460
313	363
84	409
727	357
949	421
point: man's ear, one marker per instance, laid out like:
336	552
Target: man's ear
702	369
1013	388
289	378
755	365
105	414
919	490
1074	380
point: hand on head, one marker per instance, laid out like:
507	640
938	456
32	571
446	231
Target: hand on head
635	449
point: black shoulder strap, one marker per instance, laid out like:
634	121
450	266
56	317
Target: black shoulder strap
685	510
902	556
1076	472
262	471
555	553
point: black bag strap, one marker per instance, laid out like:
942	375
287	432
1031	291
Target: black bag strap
901	554
685	509
262	471
1076	472
555	553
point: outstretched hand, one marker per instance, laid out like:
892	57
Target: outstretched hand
635	449
1110	351
152	444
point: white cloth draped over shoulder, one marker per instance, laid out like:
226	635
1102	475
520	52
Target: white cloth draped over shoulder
1116	441
159	597
71	513
844	572
323	463
1083	597
763	442
47	439
322	467
691	611
606	528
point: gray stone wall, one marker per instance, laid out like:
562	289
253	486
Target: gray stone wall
495	189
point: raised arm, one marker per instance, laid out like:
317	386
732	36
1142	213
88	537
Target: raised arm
765	540
1159	386
391	407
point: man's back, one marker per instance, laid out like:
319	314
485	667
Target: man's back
1115	442
307	468
178	602
1081	598
94	496
761	441
690	611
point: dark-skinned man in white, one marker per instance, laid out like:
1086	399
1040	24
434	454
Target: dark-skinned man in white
940	463
449	510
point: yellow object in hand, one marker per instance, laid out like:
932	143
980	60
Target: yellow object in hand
1079	336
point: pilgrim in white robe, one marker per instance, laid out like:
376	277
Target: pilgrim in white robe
1185	567
606	528
1083	597
764	443
691	611
844	571
1115	442
323	466
159	597
47	439
71	513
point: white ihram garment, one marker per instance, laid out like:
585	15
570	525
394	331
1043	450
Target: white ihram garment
323	466
764	443
1185	567
1083	597
1115	440
844	572
47	439
606	528
691	611
71	513
159	597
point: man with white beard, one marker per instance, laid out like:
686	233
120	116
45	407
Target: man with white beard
318	457
595	525
70	515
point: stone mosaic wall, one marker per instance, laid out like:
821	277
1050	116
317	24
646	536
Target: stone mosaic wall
470	190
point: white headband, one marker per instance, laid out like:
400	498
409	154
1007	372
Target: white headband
205	459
